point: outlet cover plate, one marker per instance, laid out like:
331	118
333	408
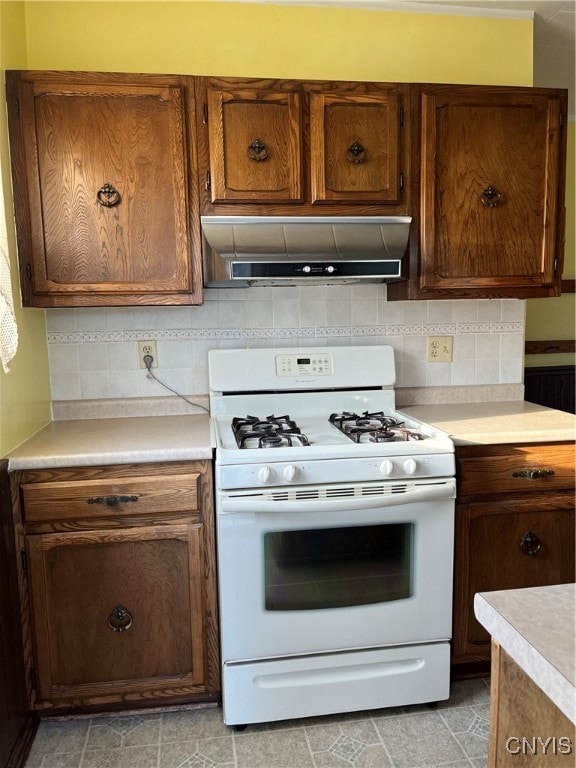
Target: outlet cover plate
440	349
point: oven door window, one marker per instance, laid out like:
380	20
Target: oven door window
338	567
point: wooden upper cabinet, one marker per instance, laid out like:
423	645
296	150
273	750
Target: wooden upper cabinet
101	174
492	191
255	146
274	147
354	145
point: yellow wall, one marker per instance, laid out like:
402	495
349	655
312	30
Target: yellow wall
25	390
278	41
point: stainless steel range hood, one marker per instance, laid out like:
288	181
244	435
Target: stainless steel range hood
288	250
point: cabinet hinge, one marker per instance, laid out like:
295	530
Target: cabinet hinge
29	271
205	114
401	180
208	181
24	560
555	265
33	678
401	117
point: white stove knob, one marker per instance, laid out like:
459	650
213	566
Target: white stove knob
410	466
387	467
290	473
265	474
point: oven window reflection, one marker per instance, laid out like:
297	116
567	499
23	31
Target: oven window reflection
338	567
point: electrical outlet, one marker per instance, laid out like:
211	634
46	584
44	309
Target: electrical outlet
147	348
440	349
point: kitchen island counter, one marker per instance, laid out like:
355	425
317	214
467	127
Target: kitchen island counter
535	627
533	680
133	440
495	423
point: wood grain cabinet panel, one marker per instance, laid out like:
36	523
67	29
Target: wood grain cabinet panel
255	146
121	595
355	147
492	191
514	529
102	171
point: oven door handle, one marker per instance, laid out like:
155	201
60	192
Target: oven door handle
264	503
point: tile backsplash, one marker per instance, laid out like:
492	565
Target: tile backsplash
93	352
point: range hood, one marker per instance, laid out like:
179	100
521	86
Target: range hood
289	250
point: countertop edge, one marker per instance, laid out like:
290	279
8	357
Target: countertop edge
540	669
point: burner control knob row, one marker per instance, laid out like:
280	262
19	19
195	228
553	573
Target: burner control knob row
290	473
265	474
410	466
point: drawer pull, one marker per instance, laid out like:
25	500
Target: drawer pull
120	619
111	501
530	544
534	474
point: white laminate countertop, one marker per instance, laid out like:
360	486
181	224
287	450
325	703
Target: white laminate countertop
536	628
513	421
90	442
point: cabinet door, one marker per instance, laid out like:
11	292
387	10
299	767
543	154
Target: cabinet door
508	543
354	147
492	191
118	613
106	168
255	146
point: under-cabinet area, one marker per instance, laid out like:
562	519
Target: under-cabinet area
112	174
118	583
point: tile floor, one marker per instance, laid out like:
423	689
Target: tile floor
454	735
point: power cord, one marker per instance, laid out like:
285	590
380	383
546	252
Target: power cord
148	360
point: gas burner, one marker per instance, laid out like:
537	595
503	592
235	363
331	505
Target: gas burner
375	427
271	432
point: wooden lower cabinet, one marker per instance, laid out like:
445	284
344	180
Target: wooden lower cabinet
514	529
122	596
527	730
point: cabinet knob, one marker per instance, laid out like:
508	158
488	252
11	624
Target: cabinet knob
257	150
530	544
108	196
491	197
534	474
356	153
120	619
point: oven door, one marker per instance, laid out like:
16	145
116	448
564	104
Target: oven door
337	567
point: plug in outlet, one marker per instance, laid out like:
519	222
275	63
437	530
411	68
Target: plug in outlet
440	349
147	348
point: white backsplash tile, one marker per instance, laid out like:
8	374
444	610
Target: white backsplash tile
93	351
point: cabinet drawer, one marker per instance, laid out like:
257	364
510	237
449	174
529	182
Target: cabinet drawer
516	468
110	497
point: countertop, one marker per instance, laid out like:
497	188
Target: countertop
498	423
535	627
140	439
90	442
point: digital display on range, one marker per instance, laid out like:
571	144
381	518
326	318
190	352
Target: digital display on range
303	361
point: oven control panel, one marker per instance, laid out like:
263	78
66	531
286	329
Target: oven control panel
304	365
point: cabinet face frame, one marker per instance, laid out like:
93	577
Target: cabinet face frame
170	102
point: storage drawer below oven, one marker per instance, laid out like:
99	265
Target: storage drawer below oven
306	686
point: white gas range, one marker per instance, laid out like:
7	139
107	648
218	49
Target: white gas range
335	517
